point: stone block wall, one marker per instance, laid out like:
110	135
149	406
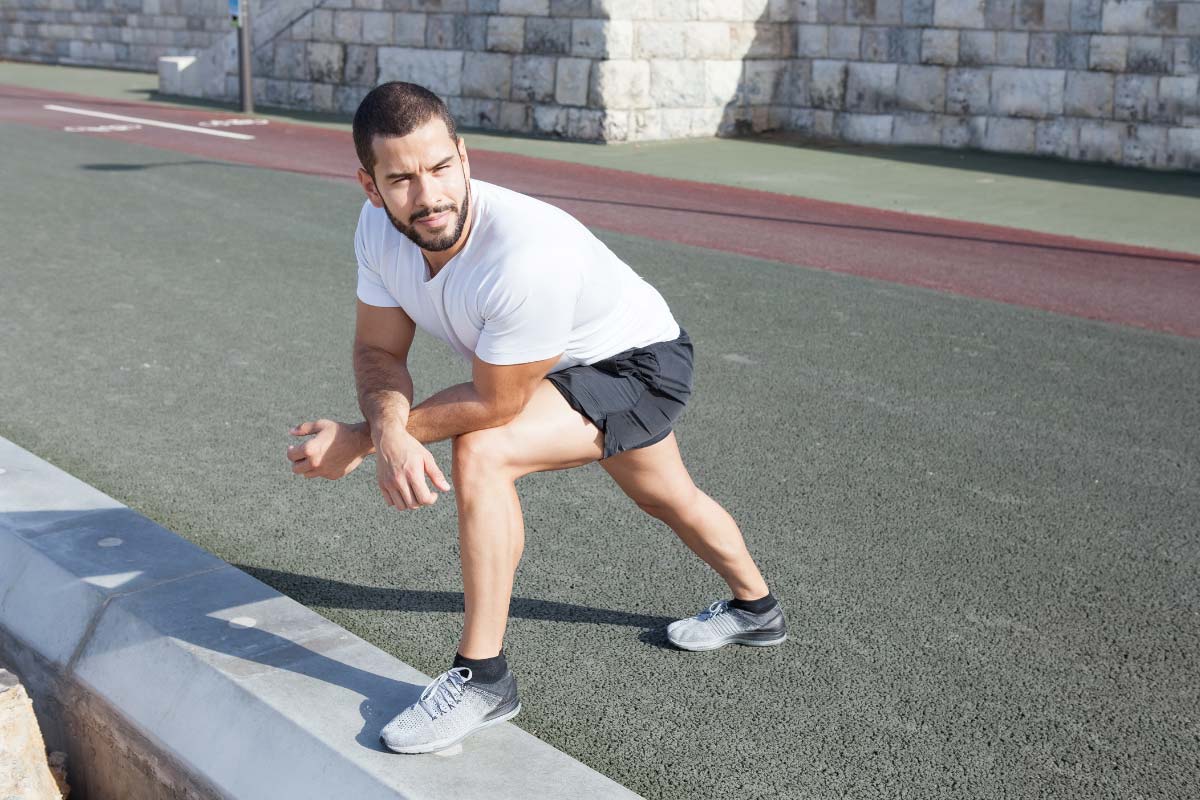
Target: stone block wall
1101	80
1115	81
497	63
125	34
583	69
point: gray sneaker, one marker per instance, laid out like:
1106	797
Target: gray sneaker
721	624
450	709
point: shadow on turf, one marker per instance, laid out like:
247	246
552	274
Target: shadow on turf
311	590
1181	182
127	167
138	167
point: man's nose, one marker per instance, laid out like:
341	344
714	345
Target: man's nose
428	192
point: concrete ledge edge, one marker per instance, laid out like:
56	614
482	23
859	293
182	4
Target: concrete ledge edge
189	678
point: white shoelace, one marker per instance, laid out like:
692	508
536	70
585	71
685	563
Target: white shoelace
445	692
719	607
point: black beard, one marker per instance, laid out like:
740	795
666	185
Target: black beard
444	241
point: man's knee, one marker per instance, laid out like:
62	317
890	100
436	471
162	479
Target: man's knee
480	454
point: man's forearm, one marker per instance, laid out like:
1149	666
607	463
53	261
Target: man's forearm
385	388
454	410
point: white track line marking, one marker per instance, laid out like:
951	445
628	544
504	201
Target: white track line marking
231	123
101	128
173	126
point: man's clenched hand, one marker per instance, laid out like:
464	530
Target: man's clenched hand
401	464
335	450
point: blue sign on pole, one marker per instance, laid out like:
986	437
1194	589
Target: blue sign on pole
233	11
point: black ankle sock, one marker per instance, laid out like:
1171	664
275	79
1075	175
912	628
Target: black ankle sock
484	670
764	603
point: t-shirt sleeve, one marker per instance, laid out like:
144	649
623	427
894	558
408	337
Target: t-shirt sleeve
528	313
370	284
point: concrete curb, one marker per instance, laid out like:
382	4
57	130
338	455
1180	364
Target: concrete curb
166	672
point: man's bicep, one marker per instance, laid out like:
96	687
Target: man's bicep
508	387
384	328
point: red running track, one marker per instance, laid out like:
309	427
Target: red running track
1144	287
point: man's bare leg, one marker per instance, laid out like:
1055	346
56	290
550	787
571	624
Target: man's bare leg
711	533
656	479
487	543
547	435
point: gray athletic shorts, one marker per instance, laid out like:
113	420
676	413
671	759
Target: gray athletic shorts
634	397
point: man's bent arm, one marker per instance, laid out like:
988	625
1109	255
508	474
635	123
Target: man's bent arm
454	410
495	396
385	388
385	392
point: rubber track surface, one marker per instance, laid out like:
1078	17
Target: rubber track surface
1154	289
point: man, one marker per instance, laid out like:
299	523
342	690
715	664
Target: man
574	359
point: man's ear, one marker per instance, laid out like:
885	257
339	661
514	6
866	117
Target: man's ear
462	152
368	185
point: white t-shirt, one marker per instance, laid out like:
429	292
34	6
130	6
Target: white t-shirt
531	282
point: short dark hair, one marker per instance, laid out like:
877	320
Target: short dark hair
396	109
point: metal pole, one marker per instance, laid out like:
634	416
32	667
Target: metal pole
246	84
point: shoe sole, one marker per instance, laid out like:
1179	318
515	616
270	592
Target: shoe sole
752	642
431	747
